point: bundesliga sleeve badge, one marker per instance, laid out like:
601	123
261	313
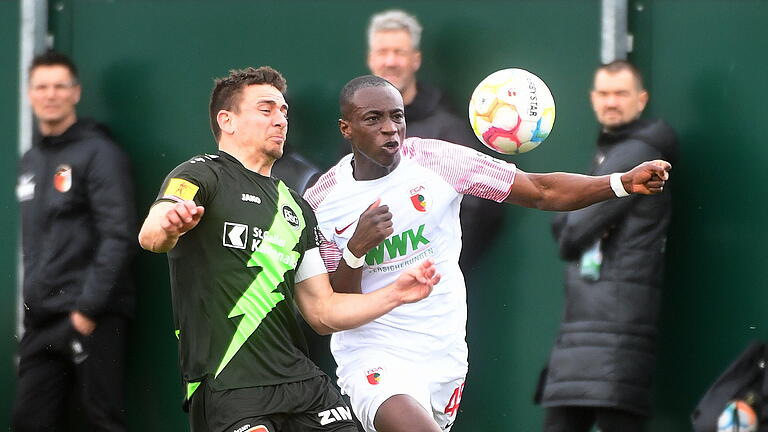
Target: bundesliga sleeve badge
180	189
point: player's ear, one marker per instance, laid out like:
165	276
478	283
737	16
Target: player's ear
226	122
345	129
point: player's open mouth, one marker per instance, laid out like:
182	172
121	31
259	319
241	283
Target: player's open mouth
392	145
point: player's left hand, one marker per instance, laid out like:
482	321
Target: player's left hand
647	178
84	325
374	225
416	282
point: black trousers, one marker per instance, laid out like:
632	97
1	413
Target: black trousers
581	419
59	366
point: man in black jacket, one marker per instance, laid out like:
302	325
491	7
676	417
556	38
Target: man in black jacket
393	54
601	366
78	228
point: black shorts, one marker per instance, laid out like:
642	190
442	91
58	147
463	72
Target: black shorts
310	405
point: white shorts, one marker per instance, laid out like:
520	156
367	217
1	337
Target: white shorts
370	376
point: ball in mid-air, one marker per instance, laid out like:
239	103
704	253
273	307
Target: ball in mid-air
512	111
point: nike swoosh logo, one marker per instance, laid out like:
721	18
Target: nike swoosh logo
339	231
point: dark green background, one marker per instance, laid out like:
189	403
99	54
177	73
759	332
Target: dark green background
147	69
9	41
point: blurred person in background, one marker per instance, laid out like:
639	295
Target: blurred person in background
78	219
602	364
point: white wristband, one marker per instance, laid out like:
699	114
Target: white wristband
351	260
617	186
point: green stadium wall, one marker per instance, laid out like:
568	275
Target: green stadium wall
147	70
9	220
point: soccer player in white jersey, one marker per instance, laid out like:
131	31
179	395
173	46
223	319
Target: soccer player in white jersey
405	371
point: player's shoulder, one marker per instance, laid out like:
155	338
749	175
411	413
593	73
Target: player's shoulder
325	185
435	152
201	164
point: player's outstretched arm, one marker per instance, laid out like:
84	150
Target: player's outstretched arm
565	191
328	311
166	222
374	225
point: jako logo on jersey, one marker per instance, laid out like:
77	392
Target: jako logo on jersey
418	200
248	428
334	414
235	235
290	217
396	246
250	198
62	179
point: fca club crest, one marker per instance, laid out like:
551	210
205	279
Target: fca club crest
418	198
374	375
62	179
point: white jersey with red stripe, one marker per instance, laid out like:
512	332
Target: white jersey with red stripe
423	194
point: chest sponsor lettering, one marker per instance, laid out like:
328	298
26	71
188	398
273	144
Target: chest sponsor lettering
397	246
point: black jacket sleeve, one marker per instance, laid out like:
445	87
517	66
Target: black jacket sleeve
577	230
111	197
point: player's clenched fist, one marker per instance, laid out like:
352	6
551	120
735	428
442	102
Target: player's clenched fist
373	227
182	217
647	178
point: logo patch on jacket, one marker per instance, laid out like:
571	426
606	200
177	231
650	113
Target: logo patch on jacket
25	189
62	179
181	189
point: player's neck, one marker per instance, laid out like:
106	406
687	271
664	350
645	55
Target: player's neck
365	168
251	158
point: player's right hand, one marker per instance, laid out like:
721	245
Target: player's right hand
373	227
182	217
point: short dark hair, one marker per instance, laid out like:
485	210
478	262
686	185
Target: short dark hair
228	91
54	58
621	65
349	90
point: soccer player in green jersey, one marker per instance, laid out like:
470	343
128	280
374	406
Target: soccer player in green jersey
243	250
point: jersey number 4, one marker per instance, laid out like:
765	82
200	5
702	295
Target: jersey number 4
454	401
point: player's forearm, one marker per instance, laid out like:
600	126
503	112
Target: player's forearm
566	192
152	236
348	311
155	239
346	279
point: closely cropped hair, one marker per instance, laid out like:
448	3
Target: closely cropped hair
621	65
395	20
228	91
349	90
53	58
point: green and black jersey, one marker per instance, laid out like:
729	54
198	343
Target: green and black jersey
232	276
